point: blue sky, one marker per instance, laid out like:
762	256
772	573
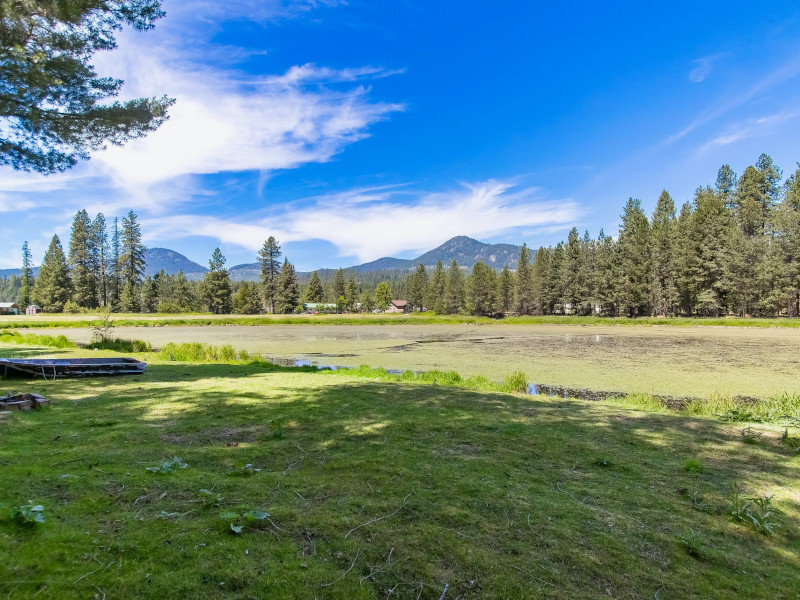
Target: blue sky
360	129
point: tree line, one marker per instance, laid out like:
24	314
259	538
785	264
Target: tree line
733	249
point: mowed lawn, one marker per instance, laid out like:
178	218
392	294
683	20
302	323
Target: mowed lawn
379	490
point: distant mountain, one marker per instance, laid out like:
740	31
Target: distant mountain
465	250
245	272
385	264
172	262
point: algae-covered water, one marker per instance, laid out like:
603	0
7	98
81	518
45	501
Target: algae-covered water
686	361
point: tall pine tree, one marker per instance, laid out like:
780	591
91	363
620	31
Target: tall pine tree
217	285
269	260
26	278
287	293
81	242
53	287
314	291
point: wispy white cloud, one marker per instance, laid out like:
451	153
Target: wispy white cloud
702	67
311	73
749	128
373	223
729	103
220	125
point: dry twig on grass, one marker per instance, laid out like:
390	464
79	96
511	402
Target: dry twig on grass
379	518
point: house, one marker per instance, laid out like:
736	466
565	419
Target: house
33	309
398	306
9	308
318	307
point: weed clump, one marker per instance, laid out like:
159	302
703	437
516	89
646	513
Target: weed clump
168	466
26	514
693	466
515	382
118	345
31	339
755	510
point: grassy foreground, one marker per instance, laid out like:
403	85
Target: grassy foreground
379	489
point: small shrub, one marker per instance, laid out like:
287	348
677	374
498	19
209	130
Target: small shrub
72	307
693	466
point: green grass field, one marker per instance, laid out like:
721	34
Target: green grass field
379	489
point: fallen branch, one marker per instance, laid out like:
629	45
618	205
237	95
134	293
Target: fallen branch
379	518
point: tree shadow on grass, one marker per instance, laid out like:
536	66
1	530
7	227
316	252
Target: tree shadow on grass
460	486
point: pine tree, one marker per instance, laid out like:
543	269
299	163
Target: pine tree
788	226
115	268
607	274
553	290
634	236
84	291
455	292
383	295
269	259
685	261
53	288
662	236
436	289
726	185
131	298
338	286
315	292
217	285
149	300
710	227
100	258
418	287
570	287
287	294
132	262
351	293
482	290
540	276
26	279
505	291
247	299
524	296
